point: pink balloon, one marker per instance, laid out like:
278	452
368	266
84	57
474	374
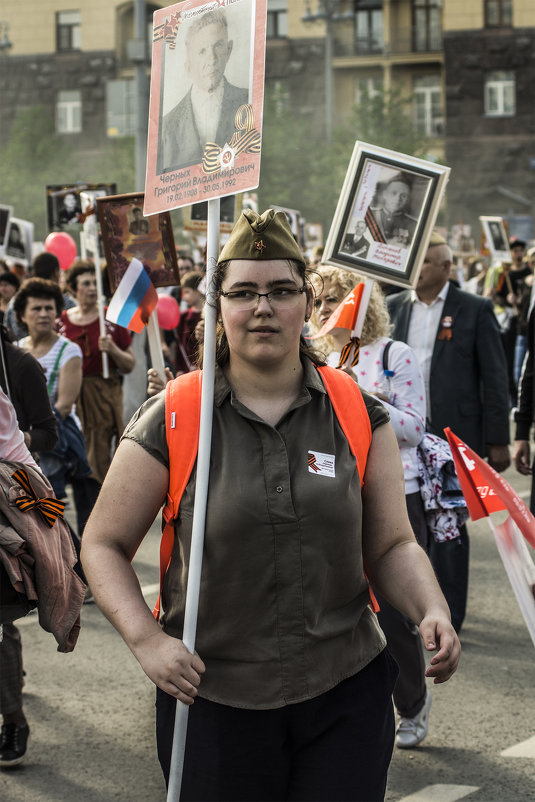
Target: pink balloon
168	312
63	246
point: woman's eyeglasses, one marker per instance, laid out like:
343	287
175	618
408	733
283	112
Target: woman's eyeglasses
280	298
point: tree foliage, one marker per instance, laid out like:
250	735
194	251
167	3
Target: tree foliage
35	156
300	171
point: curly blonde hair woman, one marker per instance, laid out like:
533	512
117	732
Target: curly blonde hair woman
406	407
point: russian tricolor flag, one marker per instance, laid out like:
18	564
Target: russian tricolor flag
134	299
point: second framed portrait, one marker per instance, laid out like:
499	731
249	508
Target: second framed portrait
127	234
496	236
385	214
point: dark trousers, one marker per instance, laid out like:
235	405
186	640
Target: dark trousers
450	561
337	746
403	638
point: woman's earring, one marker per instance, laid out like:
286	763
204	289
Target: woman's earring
307	318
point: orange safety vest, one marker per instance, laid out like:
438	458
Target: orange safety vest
183	404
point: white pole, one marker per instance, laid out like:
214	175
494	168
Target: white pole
100	305
201	494
155	345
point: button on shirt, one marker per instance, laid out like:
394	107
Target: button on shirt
422	334
283	613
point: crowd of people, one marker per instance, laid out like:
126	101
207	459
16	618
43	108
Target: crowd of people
303	643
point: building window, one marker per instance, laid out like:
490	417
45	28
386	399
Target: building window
367	88
500	94
498	13
368	26
427	32
120	108
277	19
68	31
428	119
69	112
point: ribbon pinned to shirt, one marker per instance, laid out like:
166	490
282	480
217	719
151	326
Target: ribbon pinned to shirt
48	508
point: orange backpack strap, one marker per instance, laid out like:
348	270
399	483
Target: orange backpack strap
182	423
351	412
350	409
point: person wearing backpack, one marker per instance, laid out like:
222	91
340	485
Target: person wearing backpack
291	687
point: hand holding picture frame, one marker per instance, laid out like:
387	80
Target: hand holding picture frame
496	236
385	215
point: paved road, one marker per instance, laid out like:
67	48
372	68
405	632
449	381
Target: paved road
92	717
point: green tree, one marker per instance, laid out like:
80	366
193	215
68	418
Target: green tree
301	172
35	156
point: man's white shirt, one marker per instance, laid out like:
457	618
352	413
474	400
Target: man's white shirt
207	111
422	334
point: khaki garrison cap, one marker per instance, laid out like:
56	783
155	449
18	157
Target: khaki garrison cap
261	236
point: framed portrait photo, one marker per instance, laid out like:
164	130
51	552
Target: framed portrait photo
64	205
206	102
385	215
19	240
5	214
496	236
127	234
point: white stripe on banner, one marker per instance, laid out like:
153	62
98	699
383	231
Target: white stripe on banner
522	749
441	793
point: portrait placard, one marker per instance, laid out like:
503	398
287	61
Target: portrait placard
64	206
206	102
386	212
196	216
127	234
19	240
5	214
496	236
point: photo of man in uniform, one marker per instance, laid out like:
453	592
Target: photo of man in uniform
356	243
207	112
138	225
387	218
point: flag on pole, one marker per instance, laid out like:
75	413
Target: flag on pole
345	314
485	491
134	299
349	315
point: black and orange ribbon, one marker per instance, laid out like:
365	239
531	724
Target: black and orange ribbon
246	139
373	226
345	353
48	508
312	462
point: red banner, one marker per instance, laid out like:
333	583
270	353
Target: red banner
485	491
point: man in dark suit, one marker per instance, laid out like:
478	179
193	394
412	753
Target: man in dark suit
207	112
457	342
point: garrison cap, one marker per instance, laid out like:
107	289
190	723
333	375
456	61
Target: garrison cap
437	239
261	236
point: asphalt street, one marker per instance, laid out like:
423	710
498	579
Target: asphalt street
91	712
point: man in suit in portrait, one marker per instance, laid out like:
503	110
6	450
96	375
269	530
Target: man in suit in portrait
457	342
207	112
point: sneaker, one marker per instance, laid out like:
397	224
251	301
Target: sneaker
412	731
13	741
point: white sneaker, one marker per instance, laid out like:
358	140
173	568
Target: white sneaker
412	731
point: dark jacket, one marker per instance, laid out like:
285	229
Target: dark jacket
468	384
525	412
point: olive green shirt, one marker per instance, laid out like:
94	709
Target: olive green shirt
283	611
